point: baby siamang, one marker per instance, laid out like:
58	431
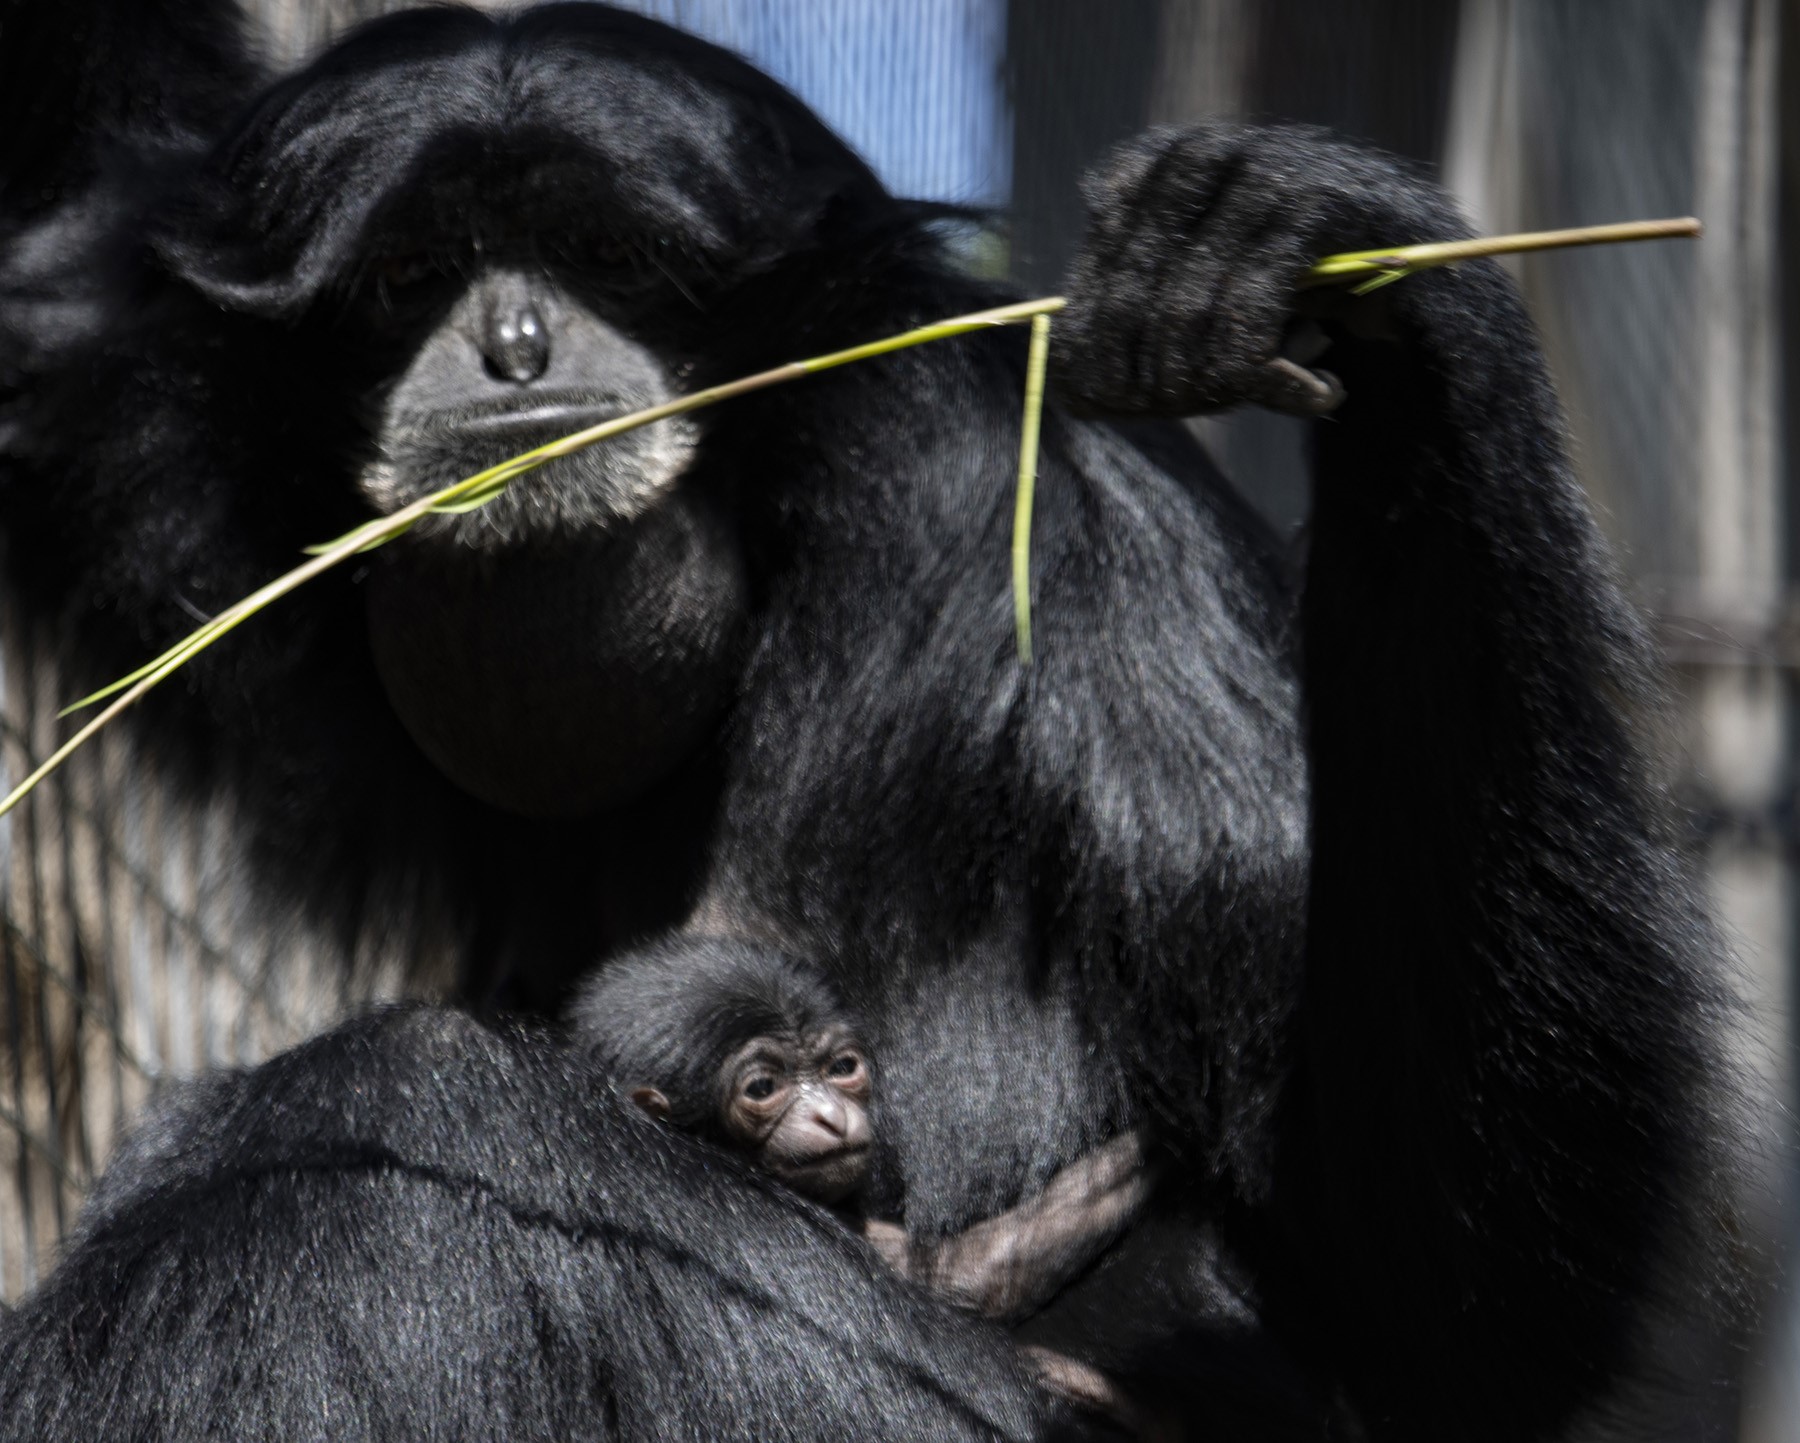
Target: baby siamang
745	1048
751	1051
1358	892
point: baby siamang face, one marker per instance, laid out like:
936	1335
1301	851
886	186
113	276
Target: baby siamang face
799	1106
795	1102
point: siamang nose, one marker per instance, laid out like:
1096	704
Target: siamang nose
515	342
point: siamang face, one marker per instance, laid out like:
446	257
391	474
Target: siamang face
515	362
496	233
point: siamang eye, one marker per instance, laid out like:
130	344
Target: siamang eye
844	1066
759	1089
399	272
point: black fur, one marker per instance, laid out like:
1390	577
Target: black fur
1369	910
88	71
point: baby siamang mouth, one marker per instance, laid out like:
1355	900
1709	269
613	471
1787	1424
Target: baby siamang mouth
826	1177
826	1162
854	1149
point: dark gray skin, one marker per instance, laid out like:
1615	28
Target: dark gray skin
515	362
468	622
796	1106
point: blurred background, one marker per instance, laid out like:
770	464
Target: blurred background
129	954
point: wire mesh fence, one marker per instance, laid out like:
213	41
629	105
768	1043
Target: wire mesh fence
132	953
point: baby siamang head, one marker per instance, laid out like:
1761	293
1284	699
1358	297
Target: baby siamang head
745	1047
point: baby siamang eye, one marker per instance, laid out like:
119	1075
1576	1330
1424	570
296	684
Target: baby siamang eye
760	1088
844	1066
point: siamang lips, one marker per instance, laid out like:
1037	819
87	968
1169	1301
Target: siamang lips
552	418
595	489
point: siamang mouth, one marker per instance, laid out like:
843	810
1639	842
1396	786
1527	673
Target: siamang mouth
590	491
560	419
561	414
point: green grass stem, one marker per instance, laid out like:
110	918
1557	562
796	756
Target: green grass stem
1037	362
1377	268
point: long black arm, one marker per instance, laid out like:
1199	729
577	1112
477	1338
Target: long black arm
1499	1139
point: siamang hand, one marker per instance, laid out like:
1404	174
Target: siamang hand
1183	297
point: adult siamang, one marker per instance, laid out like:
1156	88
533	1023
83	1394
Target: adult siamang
1357	895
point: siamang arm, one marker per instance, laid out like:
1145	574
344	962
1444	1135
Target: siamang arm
1008	1266
1492	1141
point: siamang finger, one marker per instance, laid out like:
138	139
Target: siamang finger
1284	385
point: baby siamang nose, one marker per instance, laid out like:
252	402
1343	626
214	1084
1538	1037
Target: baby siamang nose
515	342
825	1110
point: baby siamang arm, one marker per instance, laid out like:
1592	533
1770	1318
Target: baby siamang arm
1495	1141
